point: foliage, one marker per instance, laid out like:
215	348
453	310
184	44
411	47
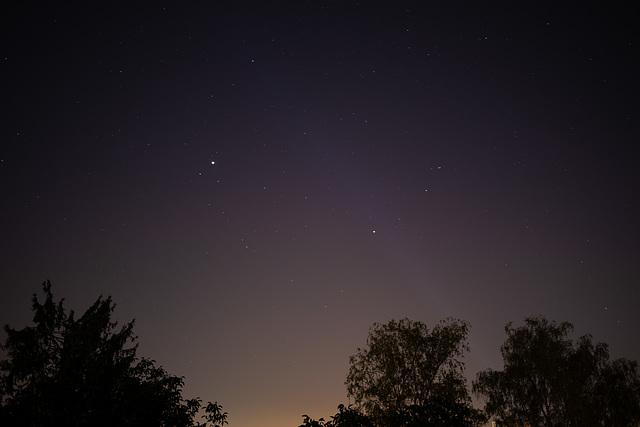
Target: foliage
410	374
214	415
346	417
68	371
548	380
442	411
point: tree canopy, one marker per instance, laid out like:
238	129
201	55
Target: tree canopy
73	371
548	380
346	417
410	375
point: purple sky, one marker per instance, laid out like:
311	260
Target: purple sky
257	185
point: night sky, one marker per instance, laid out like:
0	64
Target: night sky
257	185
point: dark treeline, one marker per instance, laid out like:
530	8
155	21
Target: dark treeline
411	376
82	371
68	371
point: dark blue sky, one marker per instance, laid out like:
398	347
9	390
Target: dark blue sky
257	185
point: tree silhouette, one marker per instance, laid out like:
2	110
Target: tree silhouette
548	380
72	372
410	375
346	417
